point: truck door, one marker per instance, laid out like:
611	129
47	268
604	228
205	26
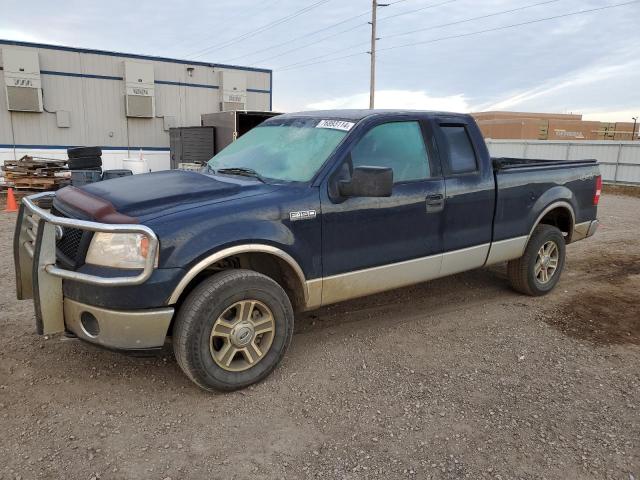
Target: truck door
470	194
374	244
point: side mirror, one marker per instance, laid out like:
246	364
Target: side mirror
368	182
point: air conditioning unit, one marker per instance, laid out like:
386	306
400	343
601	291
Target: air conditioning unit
22	80
140	93
233	90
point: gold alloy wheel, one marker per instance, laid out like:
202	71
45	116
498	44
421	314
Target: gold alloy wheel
242	335
547	262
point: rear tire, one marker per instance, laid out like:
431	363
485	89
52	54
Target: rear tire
232	330
538	271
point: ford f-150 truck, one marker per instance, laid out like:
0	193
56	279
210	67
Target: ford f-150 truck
305	210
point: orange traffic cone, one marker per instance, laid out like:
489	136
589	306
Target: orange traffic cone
12	205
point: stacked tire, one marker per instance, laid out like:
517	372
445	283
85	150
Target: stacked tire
85	158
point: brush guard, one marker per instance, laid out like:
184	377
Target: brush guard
38	276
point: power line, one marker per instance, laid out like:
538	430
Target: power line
310	34
286	67
261	29
258	30
293	40
505	27
188	41
502	12
408	12
300	47
310	44
302	65
323	61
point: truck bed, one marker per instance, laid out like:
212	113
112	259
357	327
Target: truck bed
525	187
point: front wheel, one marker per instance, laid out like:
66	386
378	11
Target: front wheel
232	330
538	271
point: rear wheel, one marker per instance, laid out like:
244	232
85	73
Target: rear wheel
538	271
233	330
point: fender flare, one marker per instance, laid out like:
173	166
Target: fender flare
235	250
558	204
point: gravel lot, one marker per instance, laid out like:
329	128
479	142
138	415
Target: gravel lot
457	378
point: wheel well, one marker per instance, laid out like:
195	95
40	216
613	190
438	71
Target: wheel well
269	265
561	218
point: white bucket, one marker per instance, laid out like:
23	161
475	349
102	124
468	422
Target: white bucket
135	165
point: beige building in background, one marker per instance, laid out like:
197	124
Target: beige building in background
54	97
549	126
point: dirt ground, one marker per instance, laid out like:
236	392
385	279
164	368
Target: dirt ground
457	378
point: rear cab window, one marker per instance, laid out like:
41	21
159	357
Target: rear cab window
460	156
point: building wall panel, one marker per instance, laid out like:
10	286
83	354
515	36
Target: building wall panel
198	99
259	101
58	62
105	121
90	85
101	65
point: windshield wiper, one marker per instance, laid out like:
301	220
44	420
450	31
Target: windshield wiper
247	172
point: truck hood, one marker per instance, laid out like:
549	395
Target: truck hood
139	198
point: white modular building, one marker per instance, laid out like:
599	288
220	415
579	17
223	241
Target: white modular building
56	97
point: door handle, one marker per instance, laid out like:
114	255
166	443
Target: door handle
435	203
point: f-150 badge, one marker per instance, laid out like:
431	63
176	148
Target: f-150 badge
302	215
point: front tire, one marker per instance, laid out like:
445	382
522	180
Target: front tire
538	271
233	330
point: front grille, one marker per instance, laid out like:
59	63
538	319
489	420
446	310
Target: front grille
69	248
69	244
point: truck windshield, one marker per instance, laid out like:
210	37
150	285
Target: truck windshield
290	151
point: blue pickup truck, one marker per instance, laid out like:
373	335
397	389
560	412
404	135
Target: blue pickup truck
307	209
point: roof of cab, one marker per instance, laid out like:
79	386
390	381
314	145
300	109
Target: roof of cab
359	114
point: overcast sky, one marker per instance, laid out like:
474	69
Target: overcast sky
587	63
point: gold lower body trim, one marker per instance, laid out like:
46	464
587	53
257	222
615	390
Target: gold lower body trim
121	329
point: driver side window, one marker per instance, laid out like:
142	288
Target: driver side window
396	145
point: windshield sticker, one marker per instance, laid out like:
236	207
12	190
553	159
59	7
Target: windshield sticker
335	124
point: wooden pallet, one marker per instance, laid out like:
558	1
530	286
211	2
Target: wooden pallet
38	184
35	173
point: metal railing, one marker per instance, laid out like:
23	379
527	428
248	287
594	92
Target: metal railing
44	215
619	160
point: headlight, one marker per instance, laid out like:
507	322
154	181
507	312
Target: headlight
119	250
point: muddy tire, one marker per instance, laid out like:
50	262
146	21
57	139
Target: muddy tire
85	163
77	152
538	271
232	330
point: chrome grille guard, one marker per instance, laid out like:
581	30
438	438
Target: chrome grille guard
31	234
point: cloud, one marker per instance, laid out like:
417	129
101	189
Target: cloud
565	83
536	67
396	99
20	35
616	116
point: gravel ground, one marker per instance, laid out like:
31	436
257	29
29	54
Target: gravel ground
457	378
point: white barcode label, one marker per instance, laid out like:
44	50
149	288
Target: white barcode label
335	124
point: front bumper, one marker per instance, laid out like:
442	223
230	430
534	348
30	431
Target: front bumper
38	277
121	329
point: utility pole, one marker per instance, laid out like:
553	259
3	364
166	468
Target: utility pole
374	39
633	132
